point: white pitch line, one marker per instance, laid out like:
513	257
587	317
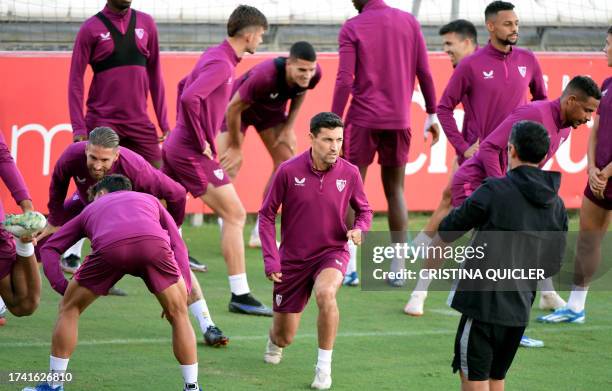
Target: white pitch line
370	334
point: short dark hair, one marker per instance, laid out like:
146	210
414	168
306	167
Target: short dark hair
496	6
245	16
110	183
531	141
303	50
461	27
325	119
610	30
104	137
584	87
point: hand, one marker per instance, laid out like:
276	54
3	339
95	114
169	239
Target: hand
287	138
26	206
28	239
207	150
596	182
471	150
164	136
432	125
275	276
355	236
48	230
231	160
79	138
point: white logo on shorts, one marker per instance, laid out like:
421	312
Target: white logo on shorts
340	184
80	180
338	262
105	36
522	71
219	173
139	33
487	75
300	182
274	95
279	299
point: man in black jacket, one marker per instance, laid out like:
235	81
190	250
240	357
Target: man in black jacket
521	222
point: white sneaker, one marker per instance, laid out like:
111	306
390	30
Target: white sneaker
254	240
273	354
415	305
551	301
322	380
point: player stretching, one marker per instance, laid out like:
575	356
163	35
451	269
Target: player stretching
259	99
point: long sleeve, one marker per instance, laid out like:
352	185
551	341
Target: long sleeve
346	71
267	219
359	203
471	214
81	53
147	179
57	244
491	149
11	176
156	82
423	73
177	244
537	85
58	189
457	87
211	77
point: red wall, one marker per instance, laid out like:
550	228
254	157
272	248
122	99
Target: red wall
34	95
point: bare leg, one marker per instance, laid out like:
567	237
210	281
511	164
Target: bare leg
325	289
284	328
21	288
594	222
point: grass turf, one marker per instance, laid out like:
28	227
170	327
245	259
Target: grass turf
123	343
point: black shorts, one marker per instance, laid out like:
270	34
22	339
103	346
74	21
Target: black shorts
485	351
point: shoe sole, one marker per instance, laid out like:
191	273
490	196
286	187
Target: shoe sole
223	342
237	310
199	269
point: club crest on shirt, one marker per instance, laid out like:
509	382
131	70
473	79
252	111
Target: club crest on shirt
299	182
522	70
219	173
274	95
487	75
340	184
105	36
279	299
139	33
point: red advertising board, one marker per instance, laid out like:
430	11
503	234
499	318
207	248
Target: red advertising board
36	125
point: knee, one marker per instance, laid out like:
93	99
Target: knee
236	216
282	340
326	297
175	311
26	307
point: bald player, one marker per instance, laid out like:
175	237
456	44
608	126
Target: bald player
131	233
259	99
490	83
381	52
19	276
86	163
121	46
595	212
315	190
190	152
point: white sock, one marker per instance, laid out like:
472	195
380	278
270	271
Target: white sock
422	239
180	231
239	284
546	286
24	249
397	264
422	283
190	375
57	365
255	230
76	249
199	309
324	360
352	264
577	298
2	307
220	222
